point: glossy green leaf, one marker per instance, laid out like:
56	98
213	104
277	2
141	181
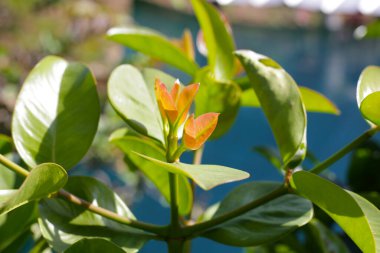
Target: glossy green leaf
153	44
368	93
132	98
217	96
264	224
56	114
42	181
14	224
206	176
128	140
63	223
325	239
355	215
281	102
219	43
314	101
95	245
150	75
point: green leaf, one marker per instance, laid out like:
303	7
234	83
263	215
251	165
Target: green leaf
314	101
15	223
56	114
128	140
63	223
41	182
355	215
6	144
94	246
217	96
132	98
150	75
153	44
281	102
327	241
264	224
219	43
368	93
7	178
206	176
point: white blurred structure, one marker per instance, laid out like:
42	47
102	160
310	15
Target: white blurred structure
365	7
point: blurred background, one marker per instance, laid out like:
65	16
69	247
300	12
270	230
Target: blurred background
323	44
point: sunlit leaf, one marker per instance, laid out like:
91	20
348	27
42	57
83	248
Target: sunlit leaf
314	101
95	245
198	130
62	223
261	225
153	44
133	99
128	141
42	181
206	176
355	215
219	43
56	114
368	94
281	102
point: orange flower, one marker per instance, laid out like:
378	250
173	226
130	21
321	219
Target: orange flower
198	130
175	105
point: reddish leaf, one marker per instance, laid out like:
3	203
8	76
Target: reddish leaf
185	100
198	130
165	102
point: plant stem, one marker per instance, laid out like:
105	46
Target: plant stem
176	245
342	152
196	229
198	154
13	166
159	230
174	214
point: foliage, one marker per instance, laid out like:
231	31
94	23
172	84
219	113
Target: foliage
57	115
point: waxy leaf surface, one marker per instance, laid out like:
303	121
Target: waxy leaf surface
153	44
368	94
42	181
62	223
263	224
354	214
314	101
219	43
56	114
281	102
204	175
128	141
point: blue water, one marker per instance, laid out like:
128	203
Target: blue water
329	62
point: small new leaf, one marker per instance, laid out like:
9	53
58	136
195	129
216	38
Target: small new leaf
198	130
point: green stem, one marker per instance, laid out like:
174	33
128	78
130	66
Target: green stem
176	245
342	152
174	215
193	231
13	166
159	230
